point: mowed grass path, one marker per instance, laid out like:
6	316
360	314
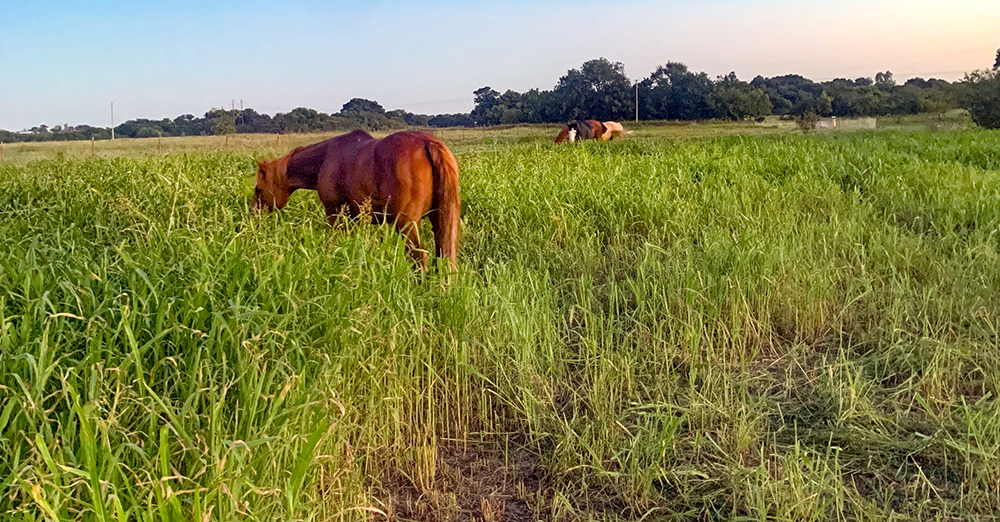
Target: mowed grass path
773	327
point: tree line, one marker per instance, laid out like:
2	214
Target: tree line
599	89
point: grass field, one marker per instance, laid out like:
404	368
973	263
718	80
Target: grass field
719	327
459	139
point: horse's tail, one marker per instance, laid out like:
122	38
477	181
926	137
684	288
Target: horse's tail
446	214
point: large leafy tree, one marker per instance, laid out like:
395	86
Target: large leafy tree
488	108
737	100
599	89
361	106
537	106
981	97
793	94
885	81
249	120
301	119
673	92
223	122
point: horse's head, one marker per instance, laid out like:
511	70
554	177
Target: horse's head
573	127
563	135
272	185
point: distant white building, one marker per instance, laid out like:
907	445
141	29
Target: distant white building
827	123
835	123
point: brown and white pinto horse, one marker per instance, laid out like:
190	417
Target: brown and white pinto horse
581	130
404	177
613	129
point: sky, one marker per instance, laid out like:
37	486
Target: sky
66	62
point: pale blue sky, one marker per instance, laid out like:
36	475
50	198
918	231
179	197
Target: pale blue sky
66	61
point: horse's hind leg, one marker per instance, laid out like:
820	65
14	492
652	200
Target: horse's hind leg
411	234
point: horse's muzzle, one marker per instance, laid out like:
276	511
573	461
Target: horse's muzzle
257	206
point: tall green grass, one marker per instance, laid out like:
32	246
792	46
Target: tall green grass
781	328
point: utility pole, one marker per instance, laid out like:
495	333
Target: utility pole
112	121
637	101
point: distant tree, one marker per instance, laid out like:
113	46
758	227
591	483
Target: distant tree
361	105
415	120
736	100
249	120
223	122
981	97
673	92
402	118
996	64
365	114
506	111
884	80
510	116
794	94
918	82
938	99
807	121
599	89
189	125
397	114
538	106
823	104
486	111
905	100
301	119
452	120
860	98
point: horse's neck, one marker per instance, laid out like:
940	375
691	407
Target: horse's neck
303	167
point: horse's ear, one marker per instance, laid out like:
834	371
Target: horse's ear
260	164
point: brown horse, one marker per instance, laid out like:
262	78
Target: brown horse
581	130
403	177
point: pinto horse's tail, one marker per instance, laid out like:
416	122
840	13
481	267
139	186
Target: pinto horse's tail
446	214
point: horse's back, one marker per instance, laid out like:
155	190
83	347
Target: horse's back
405	153
404	169
388	167
405	142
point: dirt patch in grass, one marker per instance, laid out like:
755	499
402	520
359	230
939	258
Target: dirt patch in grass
474	482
